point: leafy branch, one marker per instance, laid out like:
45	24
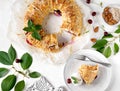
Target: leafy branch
8	58
34	29
104	45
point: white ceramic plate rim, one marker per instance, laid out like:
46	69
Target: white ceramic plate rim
89	51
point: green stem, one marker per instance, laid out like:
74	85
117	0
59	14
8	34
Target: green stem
20	72
112	41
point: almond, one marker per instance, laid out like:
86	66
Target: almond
96	29
93	40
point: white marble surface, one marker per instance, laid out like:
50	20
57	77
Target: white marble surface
53	72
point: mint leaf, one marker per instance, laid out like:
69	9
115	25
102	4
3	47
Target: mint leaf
100	43
3	72
4	58
36	35
30	23
27	29
108	36
116	48
12	54
8	83
107	52
26	61
34	75
38	27
34	29
20	86
75	80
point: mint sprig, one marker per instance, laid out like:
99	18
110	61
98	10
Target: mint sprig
34	29
11	81
75	80
104	45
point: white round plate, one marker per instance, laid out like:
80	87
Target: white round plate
101	83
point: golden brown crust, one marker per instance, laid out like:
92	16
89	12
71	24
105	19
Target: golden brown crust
88	73
39	9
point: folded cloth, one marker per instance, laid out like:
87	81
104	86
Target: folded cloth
41	85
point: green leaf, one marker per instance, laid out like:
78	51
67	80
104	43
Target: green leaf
118	26
100	43
107	52
36	35
108	36
8	83
34	75
117	31
33	28
3	72
38	27
101	49
116	48
20	86
4	58
75	80
26	61
27	29
12	54
30	23
101	4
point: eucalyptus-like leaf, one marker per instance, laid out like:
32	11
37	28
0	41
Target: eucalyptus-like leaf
8	83
12	54
100	43
26	61
3	72
101	49
118	26
20	86
34	75
117	31
36	35
116	48
4	58
107	52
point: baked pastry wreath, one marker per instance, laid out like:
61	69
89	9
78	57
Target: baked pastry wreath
40	9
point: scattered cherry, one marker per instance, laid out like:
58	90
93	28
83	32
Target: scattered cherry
69	81
96	77
90	21
88	1
28	42
57	12
26	33
18	60
94	13
105	33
